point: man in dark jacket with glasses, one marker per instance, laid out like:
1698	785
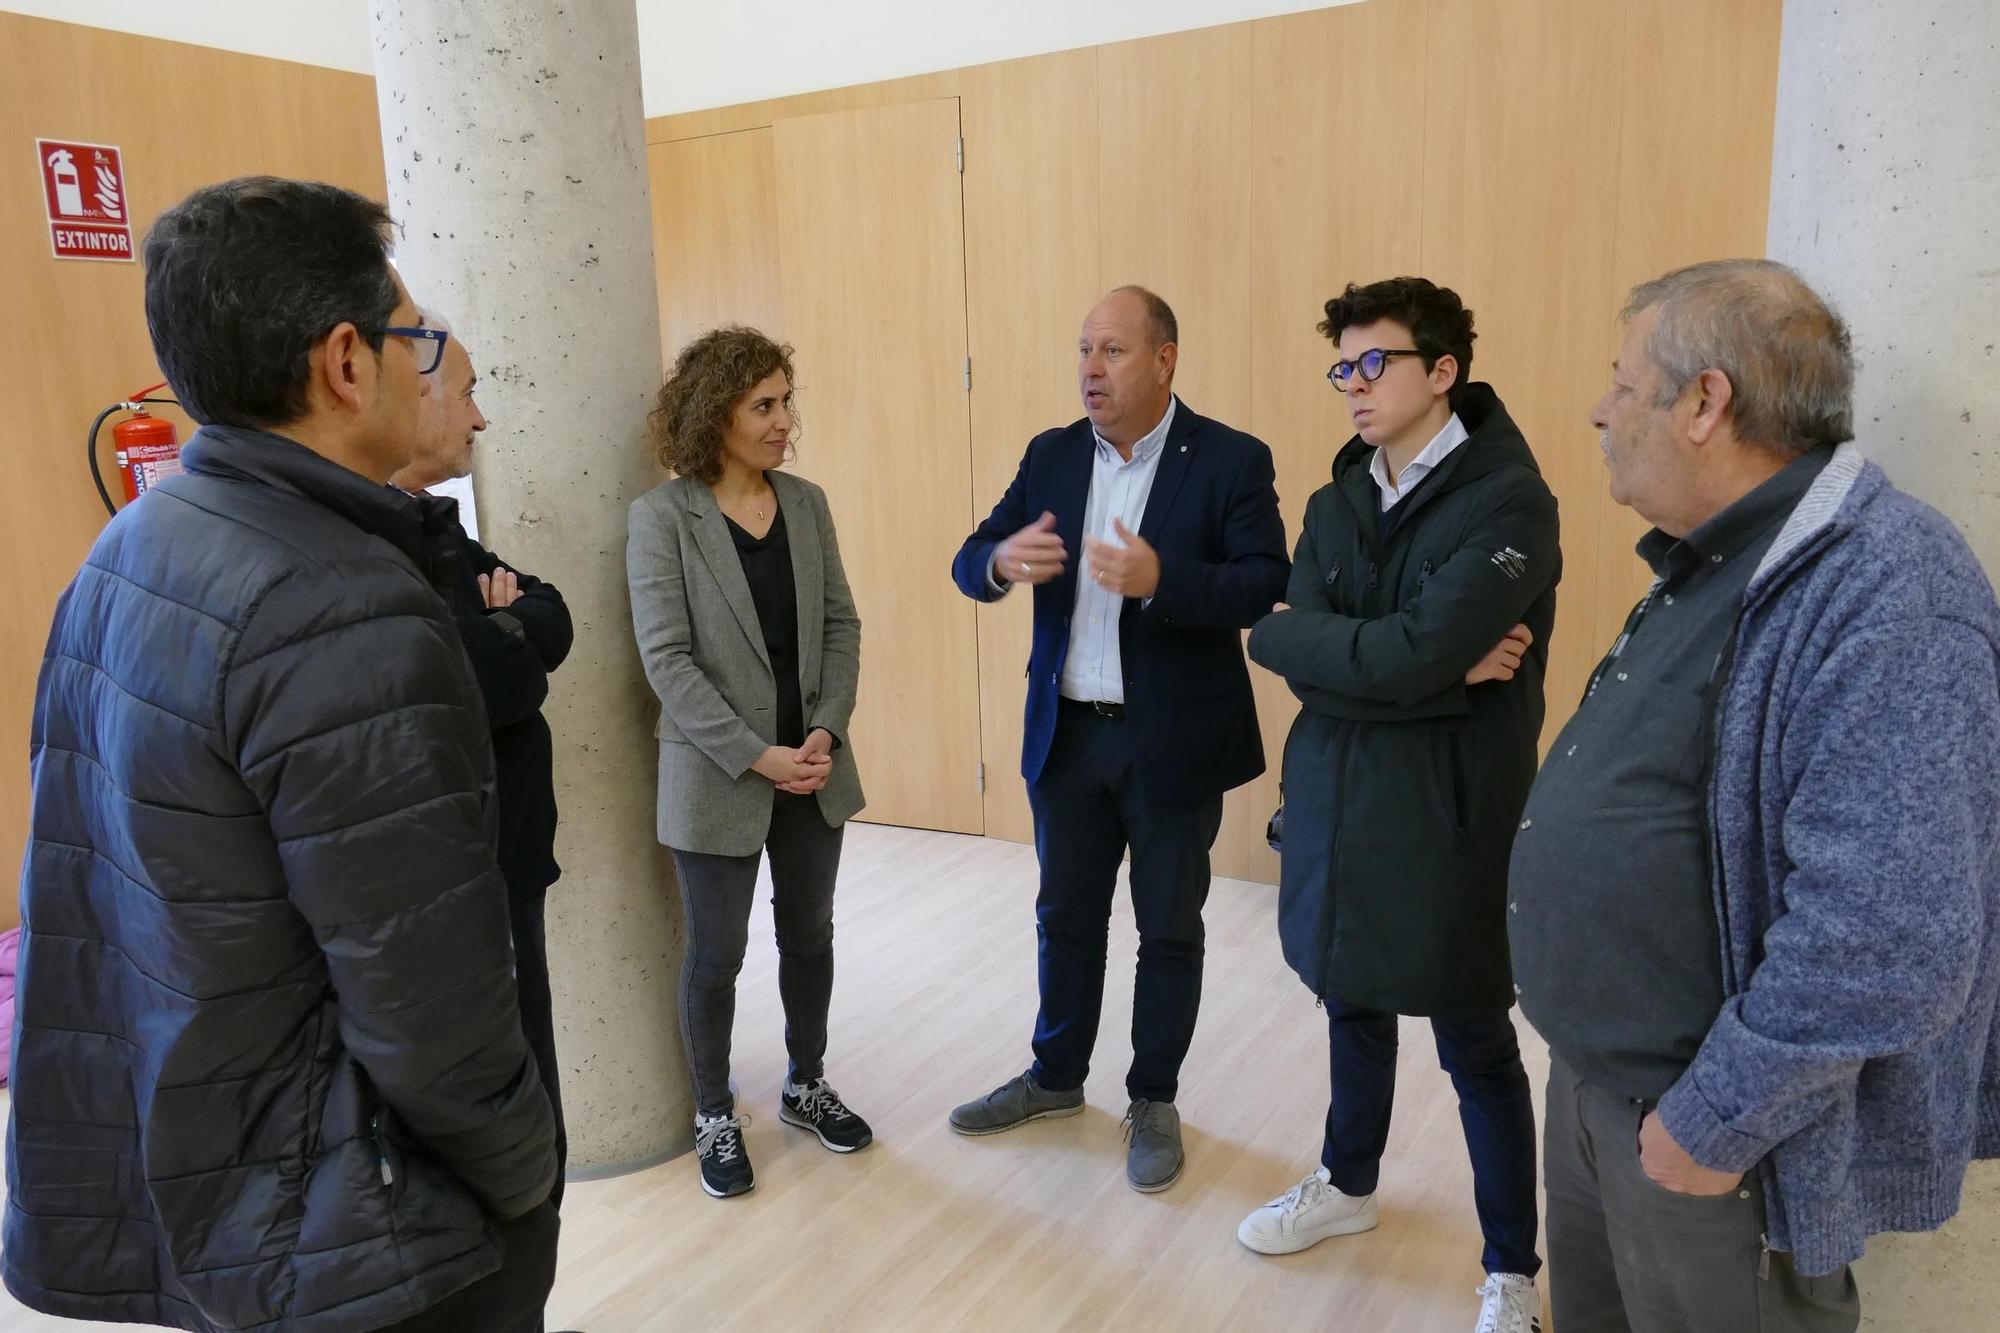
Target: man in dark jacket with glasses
269	1070
1406	772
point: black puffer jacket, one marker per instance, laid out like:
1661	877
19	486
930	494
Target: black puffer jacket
1403	784
269	1071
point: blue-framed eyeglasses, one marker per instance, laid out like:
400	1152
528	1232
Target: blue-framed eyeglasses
1371	364
427	345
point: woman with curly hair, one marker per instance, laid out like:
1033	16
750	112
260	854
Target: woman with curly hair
749	636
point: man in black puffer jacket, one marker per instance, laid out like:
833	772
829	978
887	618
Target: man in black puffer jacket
1408	767
269	1071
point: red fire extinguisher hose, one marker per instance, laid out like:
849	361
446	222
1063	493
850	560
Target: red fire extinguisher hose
90	440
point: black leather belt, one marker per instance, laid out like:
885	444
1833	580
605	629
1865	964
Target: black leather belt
1101	707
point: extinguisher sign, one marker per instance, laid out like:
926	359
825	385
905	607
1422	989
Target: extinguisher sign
89	215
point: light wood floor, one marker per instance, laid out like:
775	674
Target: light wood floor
1035	1229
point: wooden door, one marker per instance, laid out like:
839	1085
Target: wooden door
871	250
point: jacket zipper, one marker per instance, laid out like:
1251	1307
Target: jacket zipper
381	1150
1724	677
1332	878
1458	792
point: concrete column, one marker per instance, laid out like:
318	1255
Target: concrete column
515	144
1884	194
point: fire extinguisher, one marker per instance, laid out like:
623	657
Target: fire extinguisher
148	449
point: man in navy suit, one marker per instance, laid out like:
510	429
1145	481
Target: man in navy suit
1139	711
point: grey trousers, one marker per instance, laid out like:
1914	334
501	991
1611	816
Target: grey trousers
717	892
1626	1256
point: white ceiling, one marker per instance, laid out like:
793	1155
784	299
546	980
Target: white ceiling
707	54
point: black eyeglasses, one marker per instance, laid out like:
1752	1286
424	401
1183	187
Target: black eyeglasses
1371	365
427	346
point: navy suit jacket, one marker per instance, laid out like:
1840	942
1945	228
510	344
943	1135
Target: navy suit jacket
1213	517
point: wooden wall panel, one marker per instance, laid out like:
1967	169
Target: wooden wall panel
1232	168
1248	172
715	233
1696	72
768	112
1521	183
1338	80
185	116
881	378
1031	274
1174	144
1177	135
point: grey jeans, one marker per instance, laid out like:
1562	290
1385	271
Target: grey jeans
716	893
1627	1256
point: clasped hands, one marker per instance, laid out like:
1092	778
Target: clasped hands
802	771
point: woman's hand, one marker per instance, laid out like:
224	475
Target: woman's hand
783	766
816	753
802	771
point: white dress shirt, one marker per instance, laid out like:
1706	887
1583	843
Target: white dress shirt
1094	670
1425	463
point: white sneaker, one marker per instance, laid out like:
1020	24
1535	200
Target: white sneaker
1509	1303
1312	1211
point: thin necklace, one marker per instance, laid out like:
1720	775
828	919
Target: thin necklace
758	512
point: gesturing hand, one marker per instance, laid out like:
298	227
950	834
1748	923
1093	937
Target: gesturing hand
1131	569
1033	555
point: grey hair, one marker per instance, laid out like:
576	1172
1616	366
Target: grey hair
1160	315
1788	356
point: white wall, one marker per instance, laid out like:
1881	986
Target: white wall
718	52
705	53
1885	194
333	33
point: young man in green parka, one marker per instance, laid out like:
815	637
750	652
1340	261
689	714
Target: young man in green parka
1415	632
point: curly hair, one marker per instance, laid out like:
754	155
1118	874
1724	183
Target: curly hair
1438	321
690	415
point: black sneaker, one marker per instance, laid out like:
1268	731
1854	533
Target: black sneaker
818	1108
725	1164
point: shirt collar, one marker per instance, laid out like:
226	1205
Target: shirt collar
1439	449
1726	535
1149	444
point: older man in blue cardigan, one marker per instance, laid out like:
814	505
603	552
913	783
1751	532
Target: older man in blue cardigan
1755	890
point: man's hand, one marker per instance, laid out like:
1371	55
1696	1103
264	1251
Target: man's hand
1130	570
817	754
1667	1164
1504	660
1033	555
500	588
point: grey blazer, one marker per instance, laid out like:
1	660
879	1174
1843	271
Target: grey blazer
703	650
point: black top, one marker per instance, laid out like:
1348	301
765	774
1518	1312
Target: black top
767	564
1617	949
512	651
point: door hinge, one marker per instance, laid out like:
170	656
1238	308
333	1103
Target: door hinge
968	374
961	154
982	776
